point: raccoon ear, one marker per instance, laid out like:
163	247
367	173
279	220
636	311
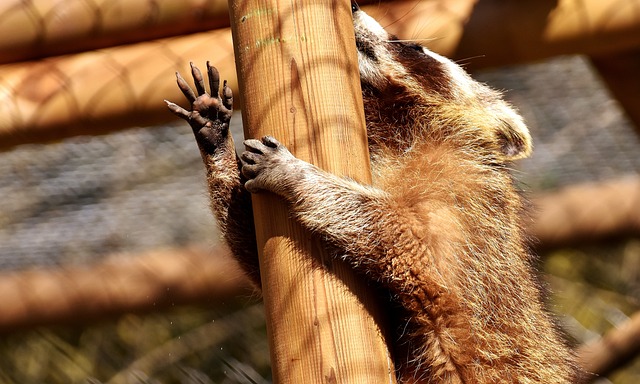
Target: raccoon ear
514	140
513	136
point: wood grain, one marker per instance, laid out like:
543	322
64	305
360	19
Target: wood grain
298	76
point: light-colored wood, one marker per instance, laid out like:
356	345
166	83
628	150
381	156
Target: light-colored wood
299	78
122	283
102	91
587	212
40	28
502	32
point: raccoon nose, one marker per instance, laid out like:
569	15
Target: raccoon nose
354	7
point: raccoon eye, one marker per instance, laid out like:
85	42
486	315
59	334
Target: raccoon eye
416	47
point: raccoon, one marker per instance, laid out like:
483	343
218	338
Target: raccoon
439	228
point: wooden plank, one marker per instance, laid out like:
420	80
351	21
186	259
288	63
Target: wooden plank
576	214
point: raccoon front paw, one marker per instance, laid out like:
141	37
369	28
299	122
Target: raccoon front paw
268	165
210	114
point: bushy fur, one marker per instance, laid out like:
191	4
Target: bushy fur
439	228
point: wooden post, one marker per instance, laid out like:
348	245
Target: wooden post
298	76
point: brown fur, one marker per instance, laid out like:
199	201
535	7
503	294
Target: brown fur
439	228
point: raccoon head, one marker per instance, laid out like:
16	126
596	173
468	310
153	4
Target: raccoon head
404	82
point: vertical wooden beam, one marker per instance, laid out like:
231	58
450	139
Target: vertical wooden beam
299	78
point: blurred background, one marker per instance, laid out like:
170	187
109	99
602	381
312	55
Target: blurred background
110	265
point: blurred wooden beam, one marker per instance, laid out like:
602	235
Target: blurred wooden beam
152	280
613	350
587	212
621	72
103	91
40	28
510	32
502	32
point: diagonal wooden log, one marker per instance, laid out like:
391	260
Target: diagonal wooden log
587	212
147	281
157	279
510	32
613	350
40	28
102	91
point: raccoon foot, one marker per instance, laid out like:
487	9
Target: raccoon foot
269	166
210	113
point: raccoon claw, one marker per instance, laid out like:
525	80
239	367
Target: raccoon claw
265	164
264	144
210	113
205	107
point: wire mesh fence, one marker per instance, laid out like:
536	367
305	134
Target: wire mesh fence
88	197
